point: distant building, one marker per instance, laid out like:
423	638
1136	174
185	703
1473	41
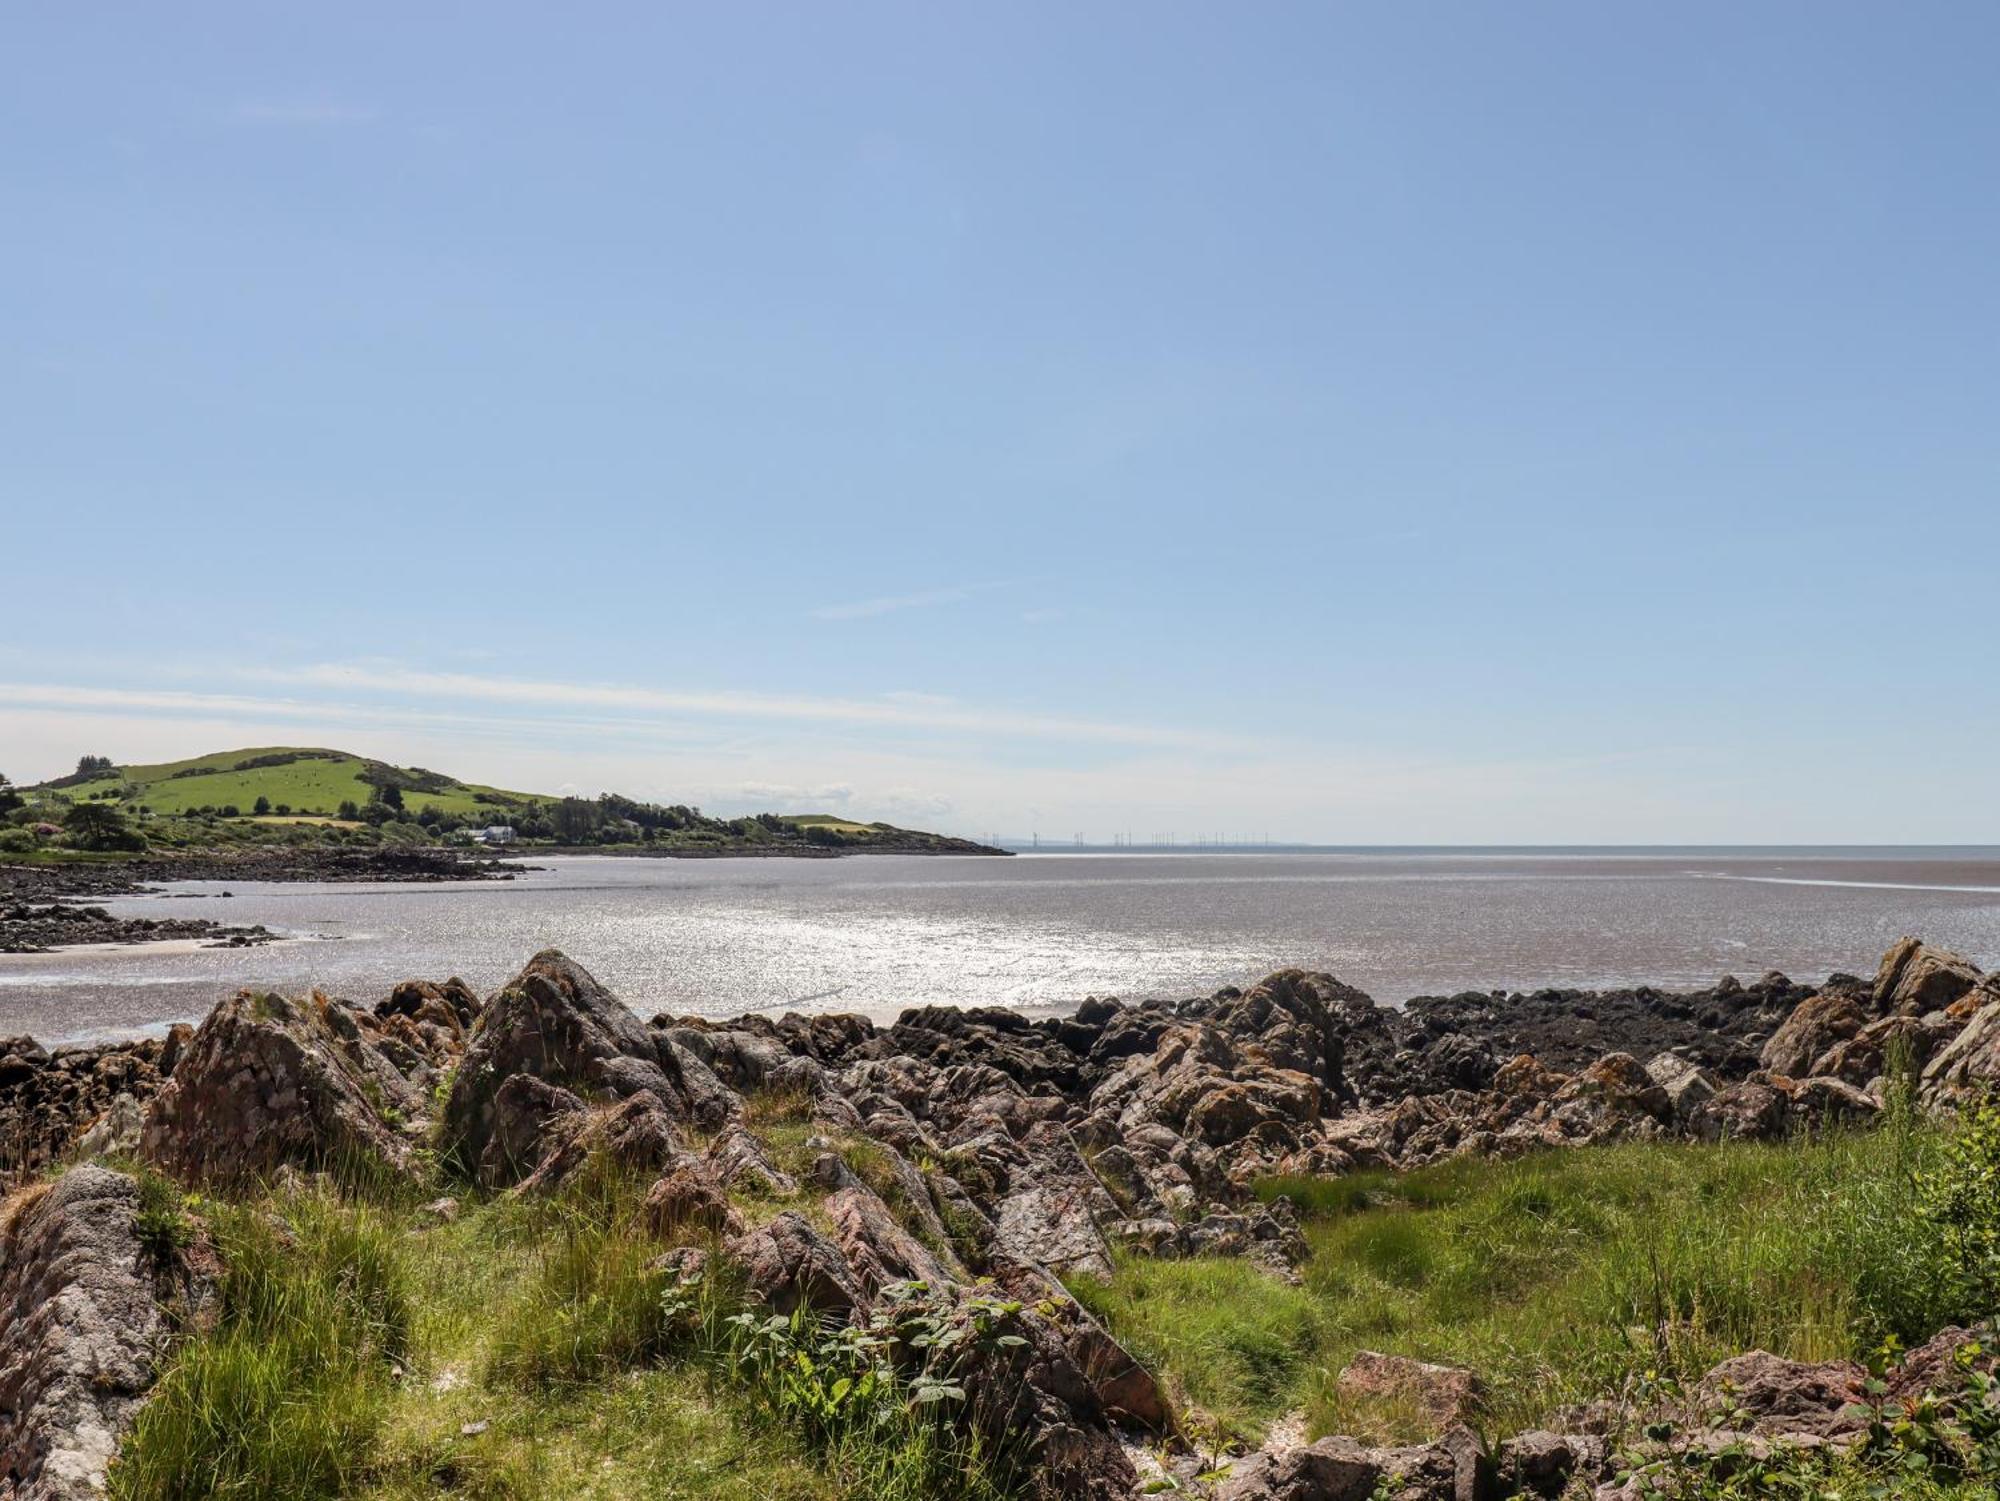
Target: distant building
498	833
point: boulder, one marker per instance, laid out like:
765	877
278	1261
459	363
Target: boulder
1969	1062
528	1118
1815	1025
1787	1397
1686	1083
555	1023
269	1080
1540	1463
1744	1111
1454	1468
81	1332
1915	978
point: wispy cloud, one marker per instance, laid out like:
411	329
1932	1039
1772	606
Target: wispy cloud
310	110
897	711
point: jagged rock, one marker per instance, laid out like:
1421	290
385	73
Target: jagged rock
1915	978
1971	1061
738	1158
636	1135
1445	1395
787	1263
269	1080
1124	1388
47	1099
690	1198
528	1118
453	1005
81	1331
1815	1025
555	1023
878	1248
1052	1207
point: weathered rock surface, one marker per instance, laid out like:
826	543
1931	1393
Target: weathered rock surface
48	1099
555	1023
1454	1468
81	1330
269	1080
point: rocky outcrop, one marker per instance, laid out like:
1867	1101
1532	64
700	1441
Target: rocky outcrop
48	1099
1915	978
1970	1062
270	1080
82	1328
787	1263
555	1023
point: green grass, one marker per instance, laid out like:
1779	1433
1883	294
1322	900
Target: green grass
357	1341
1557	1278
318	781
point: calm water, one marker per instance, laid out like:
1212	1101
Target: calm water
879	933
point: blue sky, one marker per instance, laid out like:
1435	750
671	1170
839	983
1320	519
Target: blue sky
1545	422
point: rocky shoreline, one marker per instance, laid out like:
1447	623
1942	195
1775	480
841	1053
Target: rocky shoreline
42	905
823	1161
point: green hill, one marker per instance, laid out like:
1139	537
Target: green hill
303	779
309	795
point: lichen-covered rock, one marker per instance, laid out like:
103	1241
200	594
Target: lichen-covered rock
81	1331
270	1080
1970	1062
555	1023
1744	1111
1053	1206
1915	978
1789	1397
1815	1025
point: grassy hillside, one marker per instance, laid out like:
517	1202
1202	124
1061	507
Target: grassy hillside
302	796
306	779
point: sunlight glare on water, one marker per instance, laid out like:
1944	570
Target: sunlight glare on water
879	933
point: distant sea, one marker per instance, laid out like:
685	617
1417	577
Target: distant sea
879	933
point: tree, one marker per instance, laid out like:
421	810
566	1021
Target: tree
350	810
93	766
575	820
230	810
96	826
261	806
389	795
9	798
